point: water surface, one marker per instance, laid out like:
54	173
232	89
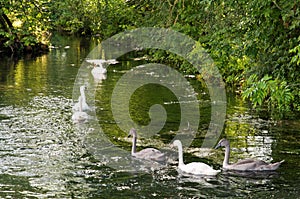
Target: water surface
44	155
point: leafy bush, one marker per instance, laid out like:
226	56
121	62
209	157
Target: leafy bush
272	92
23	24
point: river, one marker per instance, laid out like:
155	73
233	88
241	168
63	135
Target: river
43	154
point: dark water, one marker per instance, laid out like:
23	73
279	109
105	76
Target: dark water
44	155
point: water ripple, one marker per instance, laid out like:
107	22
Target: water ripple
36	142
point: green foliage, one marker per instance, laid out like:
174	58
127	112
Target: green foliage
255	44
85	17
275	93
244	38
296	54
23	23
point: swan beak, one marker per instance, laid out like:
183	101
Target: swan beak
218	145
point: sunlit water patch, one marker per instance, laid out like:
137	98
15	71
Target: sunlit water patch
38	143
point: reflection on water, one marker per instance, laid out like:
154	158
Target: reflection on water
43	155
36	142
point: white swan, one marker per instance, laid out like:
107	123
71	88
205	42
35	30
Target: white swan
247	164
99	62
195	168
98	71
84	105
148	153
80	116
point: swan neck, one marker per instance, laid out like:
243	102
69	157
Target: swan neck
80	104
180	155
133	149
227	154
82	94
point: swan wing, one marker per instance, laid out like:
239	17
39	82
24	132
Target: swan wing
272	166
98	71
76	107
85	106
249	165
78	117
198	168
268	166
250	161
150	154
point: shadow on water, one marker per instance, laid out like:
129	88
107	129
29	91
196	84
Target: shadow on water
44	155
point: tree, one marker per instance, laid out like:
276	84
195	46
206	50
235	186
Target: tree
24	25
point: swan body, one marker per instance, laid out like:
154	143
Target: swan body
246	164
98	77
148	153
99	62
98	71
195	168
80	116
84	105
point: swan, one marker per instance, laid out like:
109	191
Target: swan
102	61
98	71
98	77
148	153
247	164
84	105
195	168
80	116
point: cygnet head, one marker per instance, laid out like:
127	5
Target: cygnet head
222	143
132	132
